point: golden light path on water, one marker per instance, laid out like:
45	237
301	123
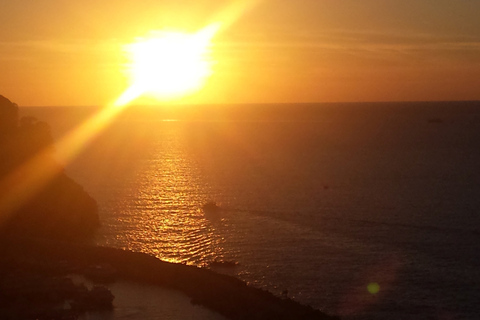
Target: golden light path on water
160	212
178	236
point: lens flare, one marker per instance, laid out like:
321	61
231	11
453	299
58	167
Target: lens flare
373	288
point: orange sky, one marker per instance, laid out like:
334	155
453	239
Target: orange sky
59	52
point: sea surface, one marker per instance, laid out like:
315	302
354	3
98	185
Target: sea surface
365	210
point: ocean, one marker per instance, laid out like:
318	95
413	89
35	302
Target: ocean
364	210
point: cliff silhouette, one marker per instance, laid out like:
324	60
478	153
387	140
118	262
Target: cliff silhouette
61	209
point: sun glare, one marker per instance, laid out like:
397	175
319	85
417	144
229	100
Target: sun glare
168	65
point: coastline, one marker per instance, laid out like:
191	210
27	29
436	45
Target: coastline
224	294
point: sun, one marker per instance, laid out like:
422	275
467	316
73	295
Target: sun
170	64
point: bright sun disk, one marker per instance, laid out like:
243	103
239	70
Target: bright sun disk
171	64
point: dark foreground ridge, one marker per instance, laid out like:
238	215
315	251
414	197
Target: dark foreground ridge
51	206
226	295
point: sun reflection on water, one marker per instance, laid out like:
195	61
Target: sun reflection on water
162	217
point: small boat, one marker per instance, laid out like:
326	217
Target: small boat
210	207
223	263
435	120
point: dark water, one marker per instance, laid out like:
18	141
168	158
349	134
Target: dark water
319	200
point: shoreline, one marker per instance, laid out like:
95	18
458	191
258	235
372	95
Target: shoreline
224	294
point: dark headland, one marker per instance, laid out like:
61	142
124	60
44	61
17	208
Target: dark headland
226	295
48	236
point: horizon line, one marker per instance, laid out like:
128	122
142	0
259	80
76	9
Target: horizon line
252	103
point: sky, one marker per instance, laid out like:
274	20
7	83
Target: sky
63	52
